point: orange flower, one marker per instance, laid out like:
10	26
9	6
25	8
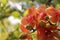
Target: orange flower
23	29
44	19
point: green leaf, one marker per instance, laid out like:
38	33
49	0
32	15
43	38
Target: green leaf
4	36
2	26
16	33
33	35
3	1
25	13
58	6
16	14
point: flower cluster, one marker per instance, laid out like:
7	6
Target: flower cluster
44	20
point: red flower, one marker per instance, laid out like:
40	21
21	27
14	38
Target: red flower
44	19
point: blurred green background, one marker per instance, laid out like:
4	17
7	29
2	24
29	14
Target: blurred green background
11	12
